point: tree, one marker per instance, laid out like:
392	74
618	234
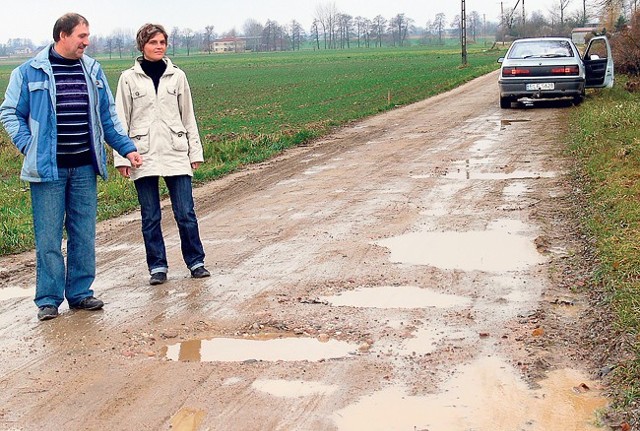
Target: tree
208	38
326	14
378	27
253	33
439	25
175	36
399	28
297	35
187	39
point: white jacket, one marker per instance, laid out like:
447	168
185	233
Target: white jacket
162	126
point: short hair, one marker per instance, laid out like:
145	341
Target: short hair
147	32
66	23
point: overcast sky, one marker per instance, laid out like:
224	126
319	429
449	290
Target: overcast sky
33	19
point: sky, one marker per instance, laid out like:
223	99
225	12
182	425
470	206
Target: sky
34	19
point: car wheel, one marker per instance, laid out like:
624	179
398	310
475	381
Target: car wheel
505	102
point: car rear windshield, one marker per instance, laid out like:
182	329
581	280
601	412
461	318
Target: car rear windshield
541	49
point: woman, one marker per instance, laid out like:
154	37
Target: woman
153	101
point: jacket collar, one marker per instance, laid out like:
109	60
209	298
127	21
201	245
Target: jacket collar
41	60
169	71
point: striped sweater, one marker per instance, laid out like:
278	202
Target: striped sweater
72	112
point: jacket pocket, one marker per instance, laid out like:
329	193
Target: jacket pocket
38	85
179	140
140	138
137	92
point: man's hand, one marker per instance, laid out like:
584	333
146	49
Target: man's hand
135	159
125	171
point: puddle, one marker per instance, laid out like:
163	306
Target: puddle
263	349
486	395
490	250
427	339
187	419
293	388
515	175
504	123
396	297
516	189
16	292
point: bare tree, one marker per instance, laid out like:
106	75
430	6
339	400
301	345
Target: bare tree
175	36
326	14
315	33
297	35
252	30
187	39
378	27
399	28
208	38
439	24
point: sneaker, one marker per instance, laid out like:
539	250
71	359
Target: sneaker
158	278
200	272
47	312
89	303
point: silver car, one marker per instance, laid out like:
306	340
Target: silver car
552	68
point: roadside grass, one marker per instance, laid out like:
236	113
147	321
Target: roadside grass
250	107
605	140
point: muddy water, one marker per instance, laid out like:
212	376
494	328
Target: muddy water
263	349
485	395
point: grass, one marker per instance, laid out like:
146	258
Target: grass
606	145
250	107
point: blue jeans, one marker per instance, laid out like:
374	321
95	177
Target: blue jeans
71	203
181	195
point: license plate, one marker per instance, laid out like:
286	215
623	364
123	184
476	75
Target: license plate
541	86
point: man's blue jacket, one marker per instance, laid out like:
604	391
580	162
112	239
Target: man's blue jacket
28	113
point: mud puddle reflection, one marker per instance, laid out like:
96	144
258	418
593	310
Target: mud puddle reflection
262	349
16	292
293	388
486	395
500	248
396	297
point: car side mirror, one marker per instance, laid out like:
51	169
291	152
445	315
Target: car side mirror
594	57
501	59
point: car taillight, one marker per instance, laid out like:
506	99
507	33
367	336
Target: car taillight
565	70
515	71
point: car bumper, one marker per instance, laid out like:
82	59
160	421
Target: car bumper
516	88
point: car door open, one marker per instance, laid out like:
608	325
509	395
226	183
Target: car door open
598	63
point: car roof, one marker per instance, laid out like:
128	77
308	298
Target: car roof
536	39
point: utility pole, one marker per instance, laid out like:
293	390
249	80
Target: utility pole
463	32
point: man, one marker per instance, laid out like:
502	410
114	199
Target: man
58	110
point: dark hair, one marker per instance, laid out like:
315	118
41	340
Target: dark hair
147	32
66	23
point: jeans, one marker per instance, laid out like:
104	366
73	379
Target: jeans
181	195
69	202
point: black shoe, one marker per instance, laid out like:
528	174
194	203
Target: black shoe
158	278
89	303
47	312
200	272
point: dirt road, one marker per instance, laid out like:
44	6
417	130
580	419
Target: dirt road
405	273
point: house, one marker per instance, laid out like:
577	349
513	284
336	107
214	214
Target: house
579	35
230	44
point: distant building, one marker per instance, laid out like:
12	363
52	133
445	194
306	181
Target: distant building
579	35
230	44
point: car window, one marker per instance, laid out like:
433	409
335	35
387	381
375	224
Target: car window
541	49
599	48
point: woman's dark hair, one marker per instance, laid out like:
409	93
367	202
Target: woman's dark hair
147	32
66	23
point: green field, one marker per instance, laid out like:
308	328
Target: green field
252	106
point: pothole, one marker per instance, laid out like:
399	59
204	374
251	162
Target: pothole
260	349
15	292
293	388
495	249
396	297
487	395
